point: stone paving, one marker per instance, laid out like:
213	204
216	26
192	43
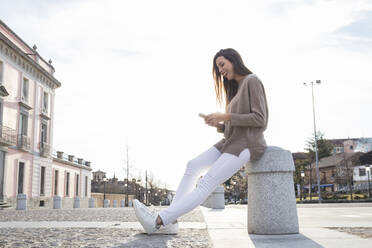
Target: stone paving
85	214
100	237
364	232
129	235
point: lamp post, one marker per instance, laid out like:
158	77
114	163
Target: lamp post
368	169
104	189
228	193
316	140
302	180
234	183
138	186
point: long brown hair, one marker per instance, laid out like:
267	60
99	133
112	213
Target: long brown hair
227	89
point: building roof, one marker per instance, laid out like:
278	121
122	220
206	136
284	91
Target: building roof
24	43
99	171
15	48
336	159
299	155
341	141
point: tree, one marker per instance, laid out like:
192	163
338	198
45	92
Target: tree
366	159
324	147
324	150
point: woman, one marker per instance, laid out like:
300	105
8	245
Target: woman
243	124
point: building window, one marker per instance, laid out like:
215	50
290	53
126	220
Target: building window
21	168
25	85
2	165
86	186
23	124
1	115
362	172
55	182
67	183
351	147
42	181
77	185
45	102
1	72
43	137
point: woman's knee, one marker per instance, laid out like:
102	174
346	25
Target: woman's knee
193	167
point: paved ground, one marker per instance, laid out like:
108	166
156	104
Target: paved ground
113	227
321	225
85	214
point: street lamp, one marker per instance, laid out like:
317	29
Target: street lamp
368	169
302	180
316	140
138	189
234	183
104	189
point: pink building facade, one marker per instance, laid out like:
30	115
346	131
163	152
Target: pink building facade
27	163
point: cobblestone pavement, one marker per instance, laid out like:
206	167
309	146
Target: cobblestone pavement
86	214
364	232
97	236
100	237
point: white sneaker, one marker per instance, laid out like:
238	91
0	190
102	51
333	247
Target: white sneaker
171	228
145	217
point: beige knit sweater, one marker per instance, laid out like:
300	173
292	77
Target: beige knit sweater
249	117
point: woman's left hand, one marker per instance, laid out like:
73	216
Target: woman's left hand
215	118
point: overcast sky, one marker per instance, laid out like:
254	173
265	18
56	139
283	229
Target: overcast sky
139	72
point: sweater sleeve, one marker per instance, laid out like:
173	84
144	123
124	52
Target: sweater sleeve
257	117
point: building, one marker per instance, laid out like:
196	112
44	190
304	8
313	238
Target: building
98	176
351	145
362	178
335	171
27	162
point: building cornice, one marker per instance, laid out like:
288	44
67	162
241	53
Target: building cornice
24	43
62	161
20	58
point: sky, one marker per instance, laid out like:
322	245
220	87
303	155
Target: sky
137	73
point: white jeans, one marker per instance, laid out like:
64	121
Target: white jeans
220	168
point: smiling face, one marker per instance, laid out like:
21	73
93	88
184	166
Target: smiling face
225	67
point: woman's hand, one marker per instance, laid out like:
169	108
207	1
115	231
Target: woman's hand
215	118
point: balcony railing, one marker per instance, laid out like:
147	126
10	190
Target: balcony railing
44	149
24	142
8	136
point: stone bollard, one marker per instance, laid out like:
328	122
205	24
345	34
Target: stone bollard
115	203
21	202
57	202
91	202
77	202
271	197
122	203
216	199
106	203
